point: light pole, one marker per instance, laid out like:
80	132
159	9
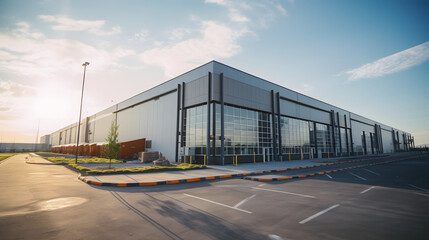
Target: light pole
80	112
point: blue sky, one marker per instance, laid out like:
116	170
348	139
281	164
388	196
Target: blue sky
368	57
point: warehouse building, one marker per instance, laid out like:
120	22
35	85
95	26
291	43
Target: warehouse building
219	112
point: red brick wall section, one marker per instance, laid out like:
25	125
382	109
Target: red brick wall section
127	149
92	150
131	147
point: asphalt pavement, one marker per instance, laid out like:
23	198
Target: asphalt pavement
388	201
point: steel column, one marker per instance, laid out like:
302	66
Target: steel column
209	95
222	121
273	127
177	123
279	125
347	135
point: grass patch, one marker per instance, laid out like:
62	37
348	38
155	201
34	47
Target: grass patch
80	160
70	162
105	170
4	156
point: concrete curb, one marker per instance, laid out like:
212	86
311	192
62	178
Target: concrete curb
140	184
320	173
31	155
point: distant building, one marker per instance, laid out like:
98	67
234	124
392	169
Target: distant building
221	112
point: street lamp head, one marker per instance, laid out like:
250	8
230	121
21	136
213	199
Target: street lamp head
85	64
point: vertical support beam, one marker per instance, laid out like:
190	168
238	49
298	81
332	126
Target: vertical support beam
351	136
364	142
182	131
395	145
209	96
214	132
399	144
372	142
333	132
347	135
222	121
178	132
273	127
315	140
339	132
278	123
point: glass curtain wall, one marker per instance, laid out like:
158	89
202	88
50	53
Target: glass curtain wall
195	120
343	141
337	140
247	132
323	138
296	138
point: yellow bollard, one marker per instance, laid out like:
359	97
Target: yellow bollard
190	159
204	160
254	159
289	154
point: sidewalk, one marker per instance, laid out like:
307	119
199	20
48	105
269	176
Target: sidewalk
213	172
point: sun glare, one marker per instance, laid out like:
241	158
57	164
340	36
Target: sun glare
53	102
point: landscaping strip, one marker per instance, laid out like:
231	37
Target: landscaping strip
99	183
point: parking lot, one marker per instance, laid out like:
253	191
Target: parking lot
389	201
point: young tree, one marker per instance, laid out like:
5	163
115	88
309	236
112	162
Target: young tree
111	149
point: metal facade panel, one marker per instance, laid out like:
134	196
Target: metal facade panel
196	73
196	91
154	120
101	128
245	95
215	87
295	110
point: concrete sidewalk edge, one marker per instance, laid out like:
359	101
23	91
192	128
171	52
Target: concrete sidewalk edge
188	180
320	173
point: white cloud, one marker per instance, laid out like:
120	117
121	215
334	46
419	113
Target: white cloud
215	41
14	89
220	2
391	64
68	24
141	36
236	16
178	34
32	54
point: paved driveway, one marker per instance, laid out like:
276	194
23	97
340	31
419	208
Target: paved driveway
381	202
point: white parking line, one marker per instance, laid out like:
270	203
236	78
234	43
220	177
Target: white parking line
274	237
328	176
260	185
418	187
421	194
357	176
220	204
244	200
366	190
318	214
371	172
296	194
